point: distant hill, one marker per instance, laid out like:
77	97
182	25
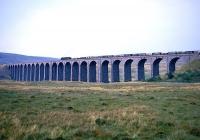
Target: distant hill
10	58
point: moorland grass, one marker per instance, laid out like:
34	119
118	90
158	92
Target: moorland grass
64	110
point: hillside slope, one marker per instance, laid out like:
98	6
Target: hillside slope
9	58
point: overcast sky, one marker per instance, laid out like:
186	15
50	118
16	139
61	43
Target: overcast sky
78	28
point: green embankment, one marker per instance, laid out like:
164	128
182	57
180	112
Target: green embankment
189	73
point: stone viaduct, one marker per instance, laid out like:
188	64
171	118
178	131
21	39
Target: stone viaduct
111	68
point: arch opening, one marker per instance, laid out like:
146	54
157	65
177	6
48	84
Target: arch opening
83	72
68	71
17	76
18	73
127	70
141	72
15	72
104	72
42	72
92	71
32	72
172	65
47	71
21	73
37	72
11	72
156	67
29	73
54	72
60	71
25	72
115	71
75	71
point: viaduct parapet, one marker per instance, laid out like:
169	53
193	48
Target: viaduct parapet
111	68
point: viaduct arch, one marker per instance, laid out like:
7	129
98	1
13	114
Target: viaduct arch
105	69
42	76
92	71
83	71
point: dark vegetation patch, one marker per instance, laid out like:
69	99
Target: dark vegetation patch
70	108
100	121
189	73
195	132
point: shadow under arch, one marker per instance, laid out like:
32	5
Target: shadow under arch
33	72
83	72
21	72
172	65
15	72
92	71
75	71
37	72
156	67
29	73
47	72
60	71
141	75
54	72
41	72
127	70
25	73
67	71
18	73
104	72
115	71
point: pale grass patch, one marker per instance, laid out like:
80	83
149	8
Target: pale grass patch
134	118
177	134
96	88
63	87
130	118
191	87
56	131
33	128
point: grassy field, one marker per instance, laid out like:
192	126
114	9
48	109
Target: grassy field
61	110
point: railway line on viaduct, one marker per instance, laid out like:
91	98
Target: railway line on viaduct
110	68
